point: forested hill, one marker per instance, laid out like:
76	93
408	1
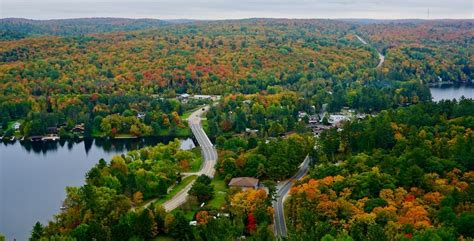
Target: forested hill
322	60
18	28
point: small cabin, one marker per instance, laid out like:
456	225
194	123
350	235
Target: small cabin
244	183
78	128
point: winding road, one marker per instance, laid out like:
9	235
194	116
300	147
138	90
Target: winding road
209	154
381	57
282	193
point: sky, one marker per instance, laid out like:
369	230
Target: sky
237	9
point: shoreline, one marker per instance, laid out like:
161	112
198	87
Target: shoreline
450	84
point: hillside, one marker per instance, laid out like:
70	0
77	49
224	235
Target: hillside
18	28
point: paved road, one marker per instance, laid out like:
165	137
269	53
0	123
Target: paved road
282	192
381	57
209	154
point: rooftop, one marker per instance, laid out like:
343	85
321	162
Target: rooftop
243	182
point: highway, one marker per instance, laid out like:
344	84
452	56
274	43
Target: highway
381	57
282	192
209	154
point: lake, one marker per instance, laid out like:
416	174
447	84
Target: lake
33	176
444	92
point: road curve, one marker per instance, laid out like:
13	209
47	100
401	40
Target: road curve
282	192
381	57
209	154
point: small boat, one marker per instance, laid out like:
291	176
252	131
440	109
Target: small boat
12	138
35	138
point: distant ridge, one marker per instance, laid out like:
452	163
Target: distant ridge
18	28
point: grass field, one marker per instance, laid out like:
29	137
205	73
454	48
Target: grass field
196	163
220	190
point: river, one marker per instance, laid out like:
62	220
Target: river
445	92
33	176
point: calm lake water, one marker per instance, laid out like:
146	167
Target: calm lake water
445	92
33	176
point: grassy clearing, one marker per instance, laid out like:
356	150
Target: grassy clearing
176	189
189	112
204	124
220	192
195	164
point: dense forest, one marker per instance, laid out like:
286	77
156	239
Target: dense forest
402	172
433	50
320	60
260	115
19	28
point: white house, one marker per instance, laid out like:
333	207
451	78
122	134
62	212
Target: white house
202	97
336	119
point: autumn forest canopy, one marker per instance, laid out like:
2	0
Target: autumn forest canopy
402	171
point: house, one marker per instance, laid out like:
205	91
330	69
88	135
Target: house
244	183
336	119
248	102
16	125
184	97
251	131
78	128
313	119
141	115
301	115
202	97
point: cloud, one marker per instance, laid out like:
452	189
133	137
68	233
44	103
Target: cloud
229	9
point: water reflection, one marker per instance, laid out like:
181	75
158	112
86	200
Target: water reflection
33	176
108	145
452	91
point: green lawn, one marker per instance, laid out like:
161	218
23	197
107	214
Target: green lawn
196	163
188	113
204	124
220	191
176	189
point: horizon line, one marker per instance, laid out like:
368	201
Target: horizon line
229	19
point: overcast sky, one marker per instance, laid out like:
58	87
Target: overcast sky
232	9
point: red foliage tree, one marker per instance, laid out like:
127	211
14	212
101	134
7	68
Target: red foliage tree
251	224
